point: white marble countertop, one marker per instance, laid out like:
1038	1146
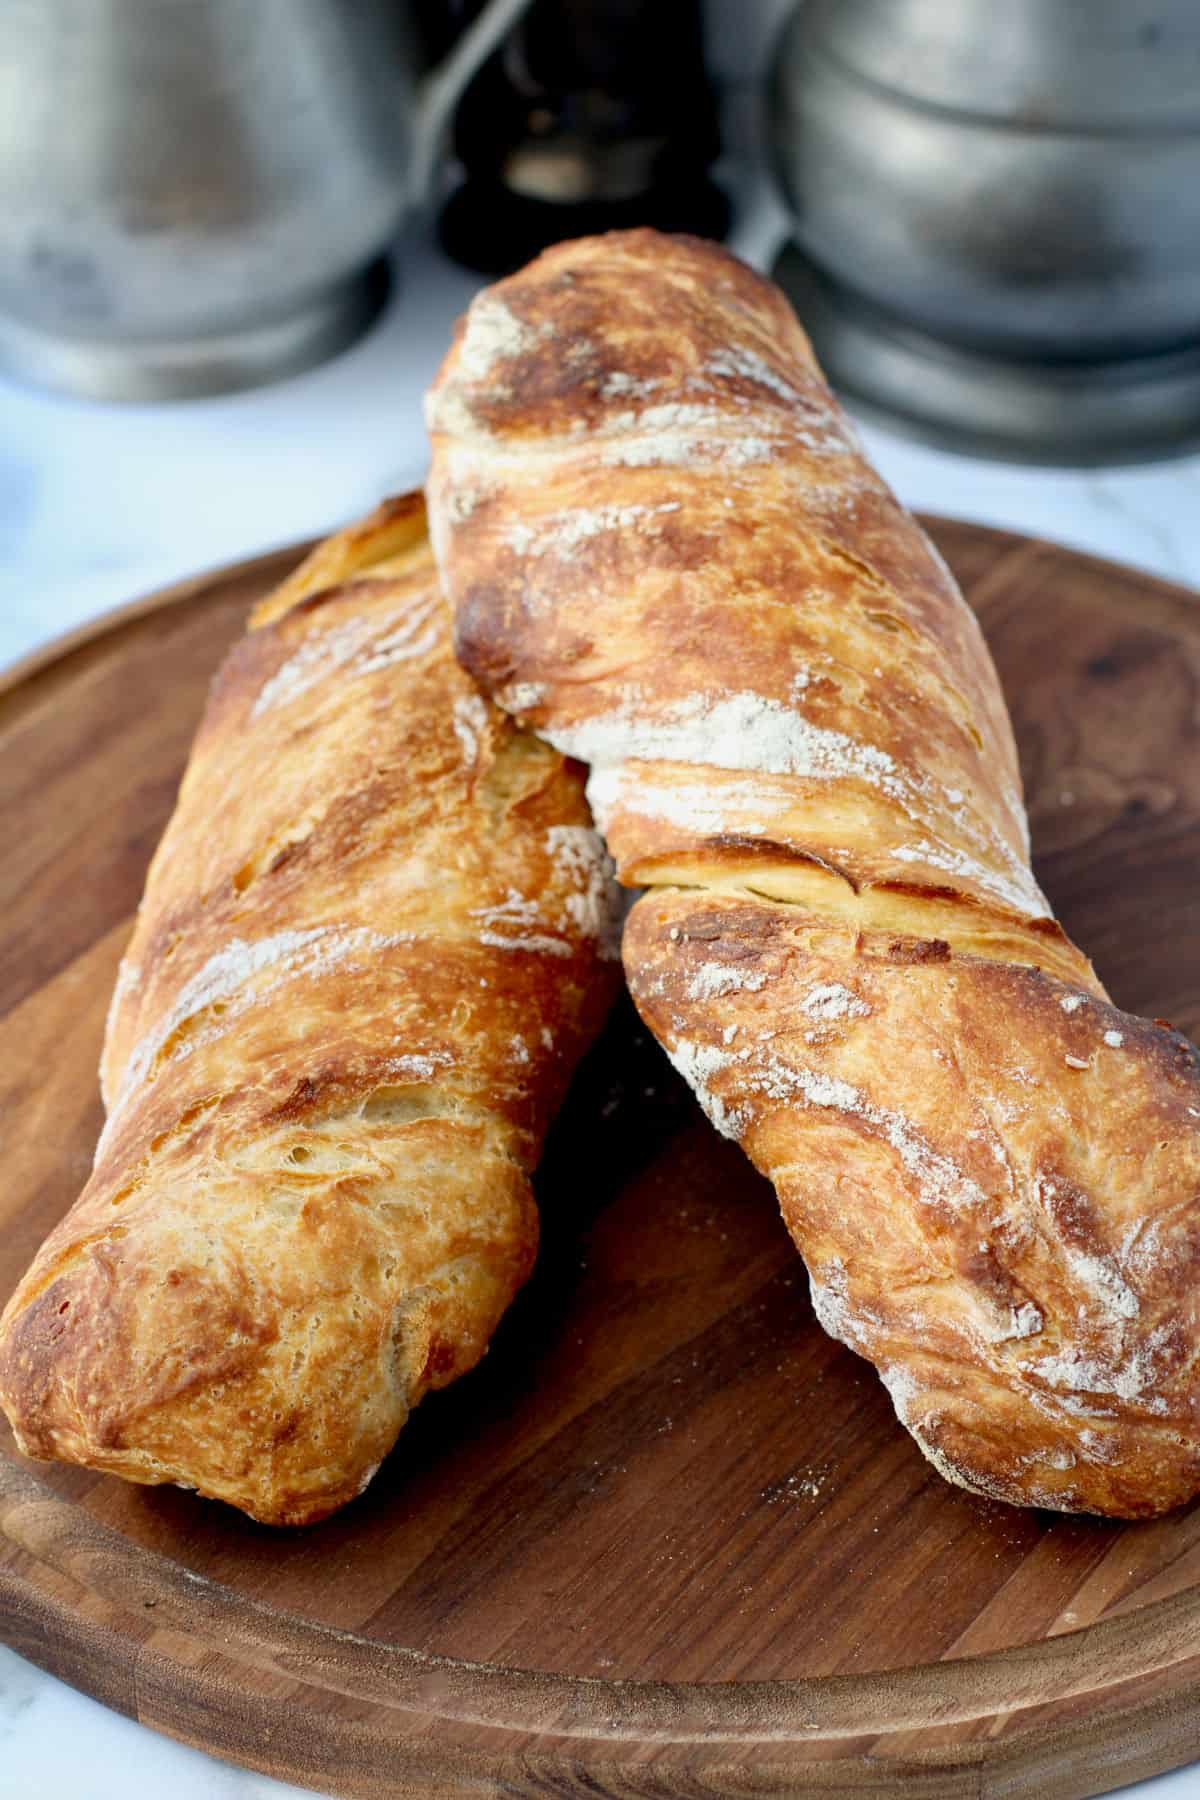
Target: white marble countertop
99	504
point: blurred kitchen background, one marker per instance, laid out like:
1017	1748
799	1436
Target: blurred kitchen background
990	218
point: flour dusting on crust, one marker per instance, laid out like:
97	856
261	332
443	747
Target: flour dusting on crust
516	924
757	1074
831	1000
568	529
231	979
470	720
713	980
493	334
359	646
596	909
749	733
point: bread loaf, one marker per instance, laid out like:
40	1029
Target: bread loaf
371	949
669	556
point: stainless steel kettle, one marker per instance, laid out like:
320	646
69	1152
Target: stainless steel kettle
193	193
998	208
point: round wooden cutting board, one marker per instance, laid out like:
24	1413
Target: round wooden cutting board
669	1539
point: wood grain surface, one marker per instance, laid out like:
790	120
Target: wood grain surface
668	1539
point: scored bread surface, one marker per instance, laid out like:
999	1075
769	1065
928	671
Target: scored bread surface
668	555
375	939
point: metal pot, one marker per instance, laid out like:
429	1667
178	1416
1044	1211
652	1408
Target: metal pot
1008	198
193	192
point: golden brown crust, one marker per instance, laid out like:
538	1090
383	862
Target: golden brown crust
370	952
622	420
668	555
995	1195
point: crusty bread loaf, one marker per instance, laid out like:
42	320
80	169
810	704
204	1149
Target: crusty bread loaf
669	556
371	949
